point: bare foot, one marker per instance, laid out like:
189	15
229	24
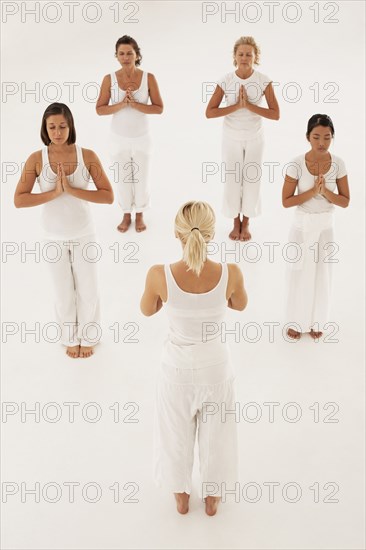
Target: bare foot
139	223
73	351
211	505
315	335
294	334
245	234
125	223
182	500
235	233
86	351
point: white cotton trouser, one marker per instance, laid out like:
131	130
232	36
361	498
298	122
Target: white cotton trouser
75	282
131	157
241	173
190	400
309	278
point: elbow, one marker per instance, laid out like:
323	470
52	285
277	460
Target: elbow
160	109
276	115
244	304
346	204
287	202
208	113
17	202
110	198
146	312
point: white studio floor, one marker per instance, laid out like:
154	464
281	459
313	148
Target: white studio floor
106	452
320	457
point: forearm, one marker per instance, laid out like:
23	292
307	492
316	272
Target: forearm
265	112
108	109
147	109
296	200
216	112
24	200
100	196
335	198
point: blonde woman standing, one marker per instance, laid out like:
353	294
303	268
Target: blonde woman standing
196	370
243	143
125	95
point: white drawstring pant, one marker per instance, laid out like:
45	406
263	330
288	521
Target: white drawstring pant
309	278
131	158
241	173
188	400
75	282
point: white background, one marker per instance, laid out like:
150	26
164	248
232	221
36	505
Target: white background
184	53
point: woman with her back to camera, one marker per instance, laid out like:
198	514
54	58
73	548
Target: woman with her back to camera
195	370
242	137
63	170
316	175
124	95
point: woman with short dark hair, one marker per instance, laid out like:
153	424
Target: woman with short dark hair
125	95
316	175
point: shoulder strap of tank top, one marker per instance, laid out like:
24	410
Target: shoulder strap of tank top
144	83
44	156
113	79
44	162
79	155
224	277
168	279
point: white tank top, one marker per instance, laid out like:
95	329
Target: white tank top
129	122
65	217
194	339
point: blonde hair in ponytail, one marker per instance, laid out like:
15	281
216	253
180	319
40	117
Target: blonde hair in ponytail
195	226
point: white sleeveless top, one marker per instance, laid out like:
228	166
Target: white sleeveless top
65	217
128	122
194	339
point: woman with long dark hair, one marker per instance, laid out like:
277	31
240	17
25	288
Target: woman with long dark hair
63	170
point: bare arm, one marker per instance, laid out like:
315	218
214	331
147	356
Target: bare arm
237	298
151	301
102	106
156	107
288	192
339	199
103	193
213	108
342	197
273	111
23	196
